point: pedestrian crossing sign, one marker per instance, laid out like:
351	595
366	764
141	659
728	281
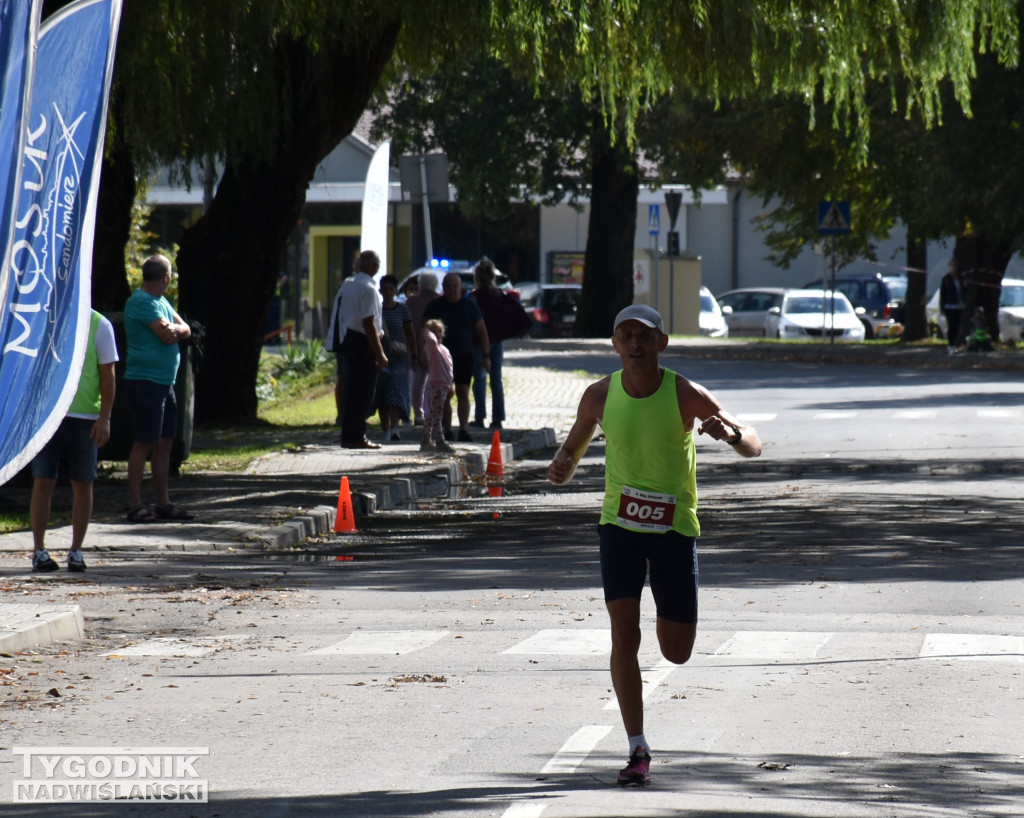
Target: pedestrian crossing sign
833	218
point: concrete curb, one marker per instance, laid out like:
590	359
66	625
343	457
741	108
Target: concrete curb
398	490
25	625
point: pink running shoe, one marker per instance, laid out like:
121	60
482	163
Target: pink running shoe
637	771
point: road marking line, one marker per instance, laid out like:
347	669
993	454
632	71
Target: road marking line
651	679
973	647
382	642
835	414
774	645
998	413
175	646
565	642
914	414
754	418
575	751
524	809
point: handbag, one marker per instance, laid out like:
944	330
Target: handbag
393	348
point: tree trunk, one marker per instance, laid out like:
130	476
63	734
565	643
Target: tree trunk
982	264
915	323
113	225
608	269
229	260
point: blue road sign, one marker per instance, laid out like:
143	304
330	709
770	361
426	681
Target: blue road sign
833	218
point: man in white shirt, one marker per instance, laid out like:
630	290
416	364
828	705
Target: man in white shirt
361	306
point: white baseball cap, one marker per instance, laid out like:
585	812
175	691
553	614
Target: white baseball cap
642	313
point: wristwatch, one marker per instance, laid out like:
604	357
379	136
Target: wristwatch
739	435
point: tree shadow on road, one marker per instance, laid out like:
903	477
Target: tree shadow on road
940	783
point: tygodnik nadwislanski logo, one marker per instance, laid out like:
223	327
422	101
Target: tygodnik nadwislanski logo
97	774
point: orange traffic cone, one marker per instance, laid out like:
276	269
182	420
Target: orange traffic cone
344	519
495	467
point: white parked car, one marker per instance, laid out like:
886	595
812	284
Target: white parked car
816	315
1011	311
712	322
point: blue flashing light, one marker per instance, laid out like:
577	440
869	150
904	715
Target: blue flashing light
443	263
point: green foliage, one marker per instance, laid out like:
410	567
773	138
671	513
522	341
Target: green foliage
140	247
298	368
503	139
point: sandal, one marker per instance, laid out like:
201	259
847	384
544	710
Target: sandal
141	514
171	512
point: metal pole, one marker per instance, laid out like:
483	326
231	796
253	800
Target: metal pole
426	209
671	293
657	303
832	289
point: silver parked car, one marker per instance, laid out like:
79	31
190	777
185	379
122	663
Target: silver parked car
746	309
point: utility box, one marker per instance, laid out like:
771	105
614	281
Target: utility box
672	286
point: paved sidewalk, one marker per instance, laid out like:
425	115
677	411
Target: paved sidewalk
284	498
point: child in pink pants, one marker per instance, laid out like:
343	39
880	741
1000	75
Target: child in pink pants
439	386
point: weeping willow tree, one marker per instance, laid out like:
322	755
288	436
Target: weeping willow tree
265	89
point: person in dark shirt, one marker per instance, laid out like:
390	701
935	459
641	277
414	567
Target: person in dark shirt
464	323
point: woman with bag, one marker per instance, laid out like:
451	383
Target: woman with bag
504	317
391	399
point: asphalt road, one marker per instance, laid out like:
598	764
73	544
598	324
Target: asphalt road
860	649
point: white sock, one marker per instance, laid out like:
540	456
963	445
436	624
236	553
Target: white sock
638	741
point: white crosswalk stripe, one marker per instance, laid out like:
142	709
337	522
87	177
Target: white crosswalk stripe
564	643
174	646
774	645
973	647
386	643
758	646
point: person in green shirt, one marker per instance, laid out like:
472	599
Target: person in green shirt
649	515
84	429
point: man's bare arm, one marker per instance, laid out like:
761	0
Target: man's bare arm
588	416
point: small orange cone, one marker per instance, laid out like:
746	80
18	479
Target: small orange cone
344	519
495	467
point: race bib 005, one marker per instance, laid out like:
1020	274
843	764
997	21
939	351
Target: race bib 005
646	510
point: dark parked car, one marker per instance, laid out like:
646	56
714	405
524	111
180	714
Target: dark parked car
880	300
553	309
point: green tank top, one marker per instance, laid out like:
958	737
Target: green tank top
650	462
87	398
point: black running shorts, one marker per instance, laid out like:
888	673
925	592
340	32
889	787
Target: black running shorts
625	556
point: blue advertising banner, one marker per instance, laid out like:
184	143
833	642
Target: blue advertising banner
44	325
18	22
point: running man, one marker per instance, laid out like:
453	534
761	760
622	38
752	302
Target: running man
649	513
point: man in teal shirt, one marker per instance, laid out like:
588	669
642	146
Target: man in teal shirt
649	515
153	330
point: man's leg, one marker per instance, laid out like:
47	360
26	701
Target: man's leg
161	467
676	640
462	397
625	667
479	388
39	509
137	458
340	370
81	512
497	387
362	379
